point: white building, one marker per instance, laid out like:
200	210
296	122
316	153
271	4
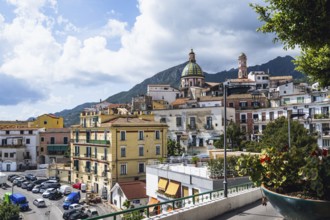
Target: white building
19	147
193	128
134	191
163	92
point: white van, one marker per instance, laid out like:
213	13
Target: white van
65	189
83	187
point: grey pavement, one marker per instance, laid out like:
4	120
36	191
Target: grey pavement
254	211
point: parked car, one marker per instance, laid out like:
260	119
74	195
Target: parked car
20	181
11	179
65	189
39	181
36	189
46	193
49	181
55	195
49	185
30	177
54	178
76	206
11	176
92	212
39	203
78	215
15	181
25	184
76	186
30	186
66	214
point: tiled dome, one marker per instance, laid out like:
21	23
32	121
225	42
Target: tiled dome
192	68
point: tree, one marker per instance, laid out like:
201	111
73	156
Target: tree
276	134
173	148
234	136
301	23
9	211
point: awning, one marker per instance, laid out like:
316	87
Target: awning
162	183
172	188
153	201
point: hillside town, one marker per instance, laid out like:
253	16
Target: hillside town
158	148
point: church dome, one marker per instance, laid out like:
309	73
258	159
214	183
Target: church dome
192	68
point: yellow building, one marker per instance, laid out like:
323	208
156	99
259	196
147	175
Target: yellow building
116	150
47	121
13	124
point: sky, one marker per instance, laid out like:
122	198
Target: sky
57	54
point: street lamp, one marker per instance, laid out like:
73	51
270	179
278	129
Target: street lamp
225	186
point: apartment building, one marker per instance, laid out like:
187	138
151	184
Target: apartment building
18	148
54	146
47	121
115	150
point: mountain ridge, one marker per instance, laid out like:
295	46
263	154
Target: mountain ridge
279	66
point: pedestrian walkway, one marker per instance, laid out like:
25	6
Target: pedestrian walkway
254	211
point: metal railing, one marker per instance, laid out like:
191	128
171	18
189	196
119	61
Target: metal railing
188	201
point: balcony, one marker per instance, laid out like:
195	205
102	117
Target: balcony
243	121
87	169
13	145
57	149
27	157
104	174
104	158
208	127
321	116
75	155
88	155
191	126
93	142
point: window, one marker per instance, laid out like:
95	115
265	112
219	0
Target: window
141	168
256	129
140	135
286	101
157	135
6	154
209	122
192	123
21	132
300	99
162	120
231	104
122	135
27	140
178	121
243	104
12	155
123	169
326	142
42	139
52	140
123	152
45	122
7	132
65	140
271	116
42	149
157	150
141	151
30	132
76	150
255	117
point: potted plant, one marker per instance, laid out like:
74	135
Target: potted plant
296	179
194	160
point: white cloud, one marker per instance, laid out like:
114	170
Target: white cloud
46	49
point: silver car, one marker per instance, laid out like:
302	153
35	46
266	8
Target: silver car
39	203
36	189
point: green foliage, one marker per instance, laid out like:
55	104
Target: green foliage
234	137
9	211
136	215
303	167
174	148
301	23
194	159
216	167
127	204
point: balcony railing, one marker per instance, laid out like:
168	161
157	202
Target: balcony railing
104	158
87	169
96	142
208	127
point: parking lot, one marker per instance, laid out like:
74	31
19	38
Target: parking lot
53	209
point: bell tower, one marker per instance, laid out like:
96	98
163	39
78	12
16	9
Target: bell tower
242	66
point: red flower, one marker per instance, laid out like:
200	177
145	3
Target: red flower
264	158
324	152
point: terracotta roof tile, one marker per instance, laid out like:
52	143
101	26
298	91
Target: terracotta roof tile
134	190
